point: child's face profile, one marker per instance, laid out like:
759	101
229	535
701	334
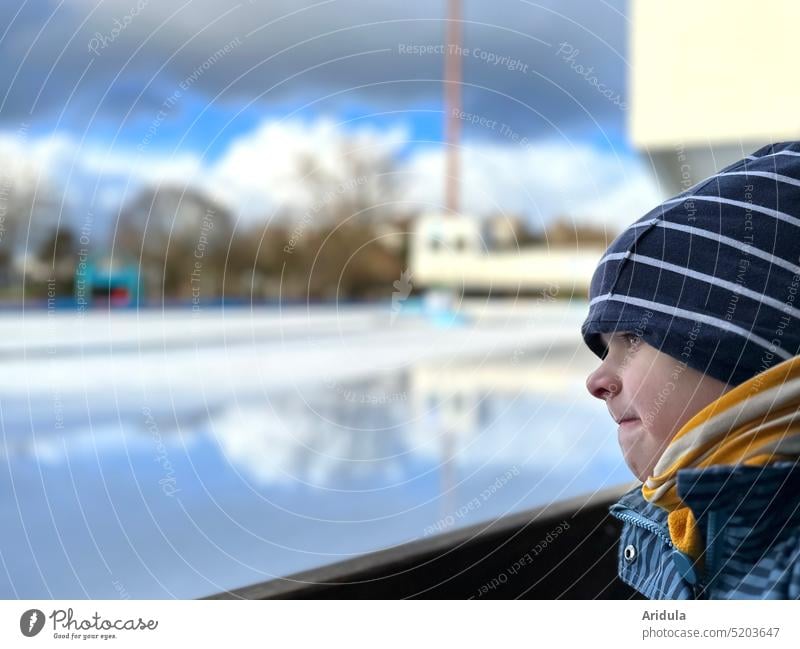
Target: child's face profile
654	391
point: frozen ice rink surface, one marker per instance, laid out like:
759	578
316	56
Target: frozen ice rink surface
171	453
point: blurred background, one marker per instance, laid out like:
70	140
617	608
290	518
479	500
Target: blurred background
286	282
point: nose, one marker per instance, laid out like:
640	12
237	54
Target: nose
603	383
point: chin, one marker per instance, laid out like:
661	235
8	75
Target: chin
636	471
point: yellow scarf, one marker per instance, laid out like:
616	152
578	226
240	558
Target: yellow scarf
755	423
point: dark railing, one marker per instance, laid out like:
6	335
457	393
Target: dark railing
567	550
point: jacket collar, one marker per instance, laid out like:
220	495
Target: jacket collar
741	494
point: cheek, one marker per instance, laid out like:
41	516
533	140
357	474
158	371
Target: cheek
658	429
638	436
656	401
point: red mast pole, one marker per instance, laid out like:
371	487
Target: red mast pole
452	102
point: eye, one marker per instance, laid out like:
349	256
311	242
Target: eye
632	338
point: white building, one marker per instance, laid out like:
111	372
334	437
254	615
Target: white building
709	83
448	251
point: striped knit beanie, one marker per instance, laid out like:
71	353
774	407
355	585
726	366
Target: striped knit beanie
711	276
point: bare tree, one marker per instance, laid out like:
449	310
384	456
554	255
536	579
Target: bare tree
180	237
337	253
58	252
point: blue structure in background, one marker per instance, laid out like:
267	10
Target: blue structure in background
100	284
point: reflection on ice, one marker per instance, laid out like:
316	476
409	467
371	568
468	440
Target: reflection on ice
218	467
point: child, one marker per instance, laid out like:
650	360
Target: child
692	312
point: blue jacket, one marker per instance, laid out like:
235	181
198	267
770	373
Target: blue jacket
750	518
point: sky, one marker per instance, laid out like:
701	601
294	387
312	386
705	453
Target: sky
102	98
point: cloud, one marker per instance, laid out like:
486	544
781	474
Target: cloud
149	168
27	160
330	55
541	181
261	172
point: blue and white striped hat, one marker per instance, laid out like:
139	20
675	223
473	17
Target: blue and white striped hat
711	276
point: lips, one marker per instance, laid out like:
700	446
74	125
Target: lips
622	420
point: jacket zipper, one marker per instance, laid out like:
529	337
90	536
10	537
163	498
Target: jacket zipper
635	518
639	520
711	553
